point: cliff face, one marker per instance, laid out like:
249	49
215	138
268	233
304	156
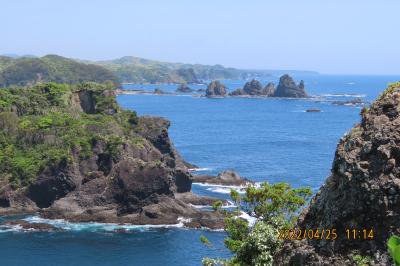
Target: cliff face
362	192
73	153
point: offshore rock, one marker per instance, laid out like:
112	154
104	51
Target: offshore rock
288	88
215	89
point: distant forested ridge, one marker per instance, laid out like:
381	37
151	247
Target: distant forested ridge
23	71
131	69
29	70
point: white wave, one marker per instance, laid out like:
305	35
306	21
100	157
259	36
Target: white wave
199	169
10	228
252	220
95	226
350	83
344	95
229	205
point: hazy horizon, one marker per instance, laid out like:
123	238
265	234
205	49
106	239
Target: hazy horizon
333	37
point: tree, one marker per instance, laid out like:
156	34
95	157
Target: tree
275	206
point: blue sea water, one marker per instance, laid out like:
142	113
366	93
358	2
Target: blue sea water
262	139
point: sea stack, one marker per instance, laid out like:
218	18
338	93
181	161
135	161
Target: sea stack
288	88
215	89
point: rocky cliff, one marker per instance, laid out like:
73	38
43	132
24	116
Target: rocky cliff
362	192
71	152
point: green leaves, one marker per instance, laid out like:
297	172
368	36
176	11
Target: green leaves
394	249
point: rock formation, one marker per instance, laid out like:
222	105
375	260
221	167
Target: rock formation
252	88
184	88
225	178
288	88
362	192
269	89
215	89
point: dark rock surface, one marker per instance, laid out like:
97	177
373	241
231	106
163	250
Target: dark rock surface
215	89
362	191
184	88
226	178
288	88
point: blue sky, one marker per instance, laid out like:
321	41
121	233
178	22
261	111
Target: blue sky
341	36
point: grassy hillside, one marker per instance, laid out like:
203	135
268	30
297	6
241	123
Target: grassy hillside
48	124
51	68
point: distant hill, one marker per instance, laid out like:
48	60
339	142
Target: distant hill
131	69
22	71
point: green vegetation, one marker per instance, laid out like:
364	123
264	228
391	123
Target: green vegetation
275	207
44	126
394	249
51	68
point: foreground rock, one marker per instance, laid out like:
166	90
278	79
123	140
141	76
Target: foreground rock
124	169
362	192
215	89
288	88
226	178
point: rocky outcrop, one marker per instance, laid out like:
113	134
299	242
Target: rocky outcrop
288	88
252	88
120	168
184	88
362	192
215	89
226	178
269	90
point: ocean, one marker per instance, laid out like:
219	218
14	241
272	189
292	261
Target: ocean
263	139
